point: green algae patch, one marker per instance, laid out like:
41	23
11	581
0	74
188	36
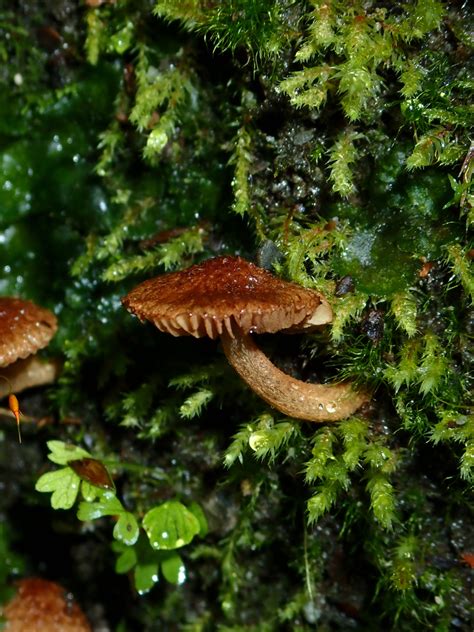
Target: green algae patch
407	221
49	194
373	259
387	258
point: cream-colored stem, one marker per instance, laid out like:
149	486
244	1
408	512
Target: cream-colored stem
28	373
302	400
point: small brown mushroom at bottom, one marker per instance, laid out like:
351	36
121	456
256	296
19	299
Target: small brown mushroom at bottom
232	298
42	606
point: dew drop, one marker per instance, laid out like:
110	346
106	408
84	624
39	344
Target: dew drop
257	440
181	575
331	407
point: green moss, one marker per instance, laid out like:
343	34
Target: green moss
252	24
140	137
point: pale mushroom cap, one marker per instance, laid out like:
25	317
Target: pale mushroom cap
24	329
221	294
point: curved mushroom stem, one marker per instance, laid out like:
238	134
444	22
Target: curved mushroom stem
302	400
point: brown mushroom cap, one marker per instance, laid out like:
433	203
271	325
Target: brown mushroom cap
24	327
43	606
219	295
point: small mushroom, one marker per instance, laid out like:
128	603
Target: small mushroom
232	298
24	329
43	606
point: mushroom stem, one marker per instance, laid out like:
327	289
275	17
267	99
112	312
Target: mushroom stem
302	400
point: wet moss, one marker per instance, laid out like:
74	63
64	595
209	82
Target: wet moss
327	141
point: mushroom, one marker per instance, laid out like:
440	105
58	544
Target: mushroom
24	329
233	298
43	606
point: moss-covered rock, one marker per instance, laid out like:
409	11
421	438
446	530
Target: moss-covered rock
326	140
